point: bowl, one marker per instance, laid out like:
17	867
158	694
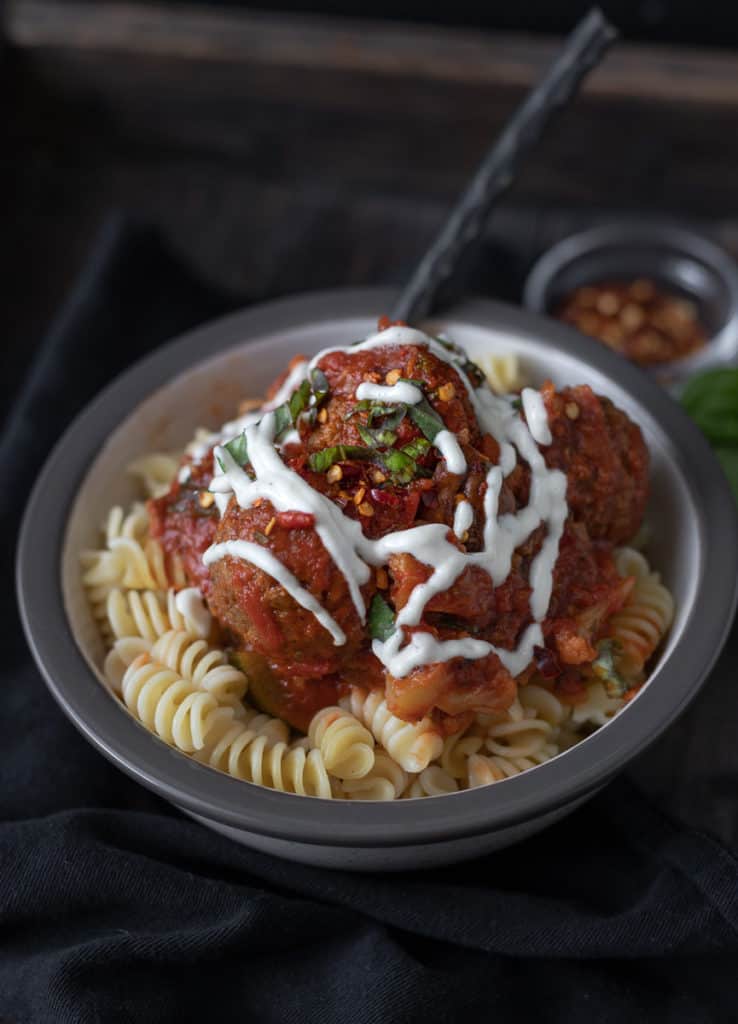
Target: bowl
680	260
197	380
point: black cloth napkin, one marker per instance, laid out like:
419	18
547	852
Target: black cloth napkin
114	907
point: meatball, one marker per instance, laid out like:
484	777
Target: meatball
260	613
605	459
344	371
184	520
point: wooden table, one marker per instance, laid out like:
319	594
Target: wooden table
283	153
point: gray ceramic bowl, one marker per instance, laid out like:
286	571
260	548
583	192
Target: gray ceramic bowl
689	264
199	378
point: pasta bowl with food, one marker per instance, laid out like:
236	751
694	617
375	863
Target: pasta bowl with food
369	596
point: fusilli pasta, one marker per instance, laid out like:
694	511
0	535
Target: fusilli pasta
165	703
386	781
247	751
432	781
346	745
641	624
206	666
155	471
412	745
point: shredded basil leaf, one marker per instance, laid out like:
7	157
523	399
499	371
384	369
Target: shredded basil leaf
324	459
711	399
381	619
402	467
605	668
417	448
320	384
285	415
238	449
425	417
379	438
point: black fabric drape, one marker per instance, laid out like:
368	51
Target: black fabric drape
114	907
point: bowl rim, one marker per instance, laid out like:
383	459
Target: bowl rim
197	788
722	345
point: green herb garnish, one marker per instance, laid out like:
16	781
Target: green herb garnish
381	619
711	399
425	417
417	449
285	415
605	668
238	449
324	459
320	384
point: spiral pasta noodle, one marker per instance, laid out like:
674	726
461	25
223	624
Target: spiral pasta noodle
168	705
457	749
502	371
156	471
246	751
597	708
641	624
412	744
346	745
485	769
206	666
386	781
432	781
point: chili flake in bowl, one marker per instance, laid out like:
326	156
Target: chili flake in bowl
663	297
643	321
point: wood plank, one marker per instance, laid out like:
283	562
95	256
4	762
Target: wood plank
381	48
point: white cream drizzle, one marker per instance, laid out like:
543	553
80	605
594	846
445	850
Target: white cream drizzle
265	560
353	553
535	413
463	518
191	606
398	392
450	450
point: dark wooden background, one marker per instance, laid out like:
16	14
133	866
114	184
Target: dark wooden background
280	153
240	134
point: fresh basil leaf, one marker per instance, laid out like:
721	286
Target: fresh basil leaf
282	420
425	417
285	415
401	466
604	667
299	400
711	399
417	448
381	619
324	459
378	438
238	449
319	383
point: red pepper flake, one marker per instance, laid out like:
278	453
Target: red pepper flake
294	520
387	498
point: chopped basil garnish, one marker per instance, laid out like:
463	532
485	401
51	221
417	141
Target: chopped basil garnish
238	450
381	619
320	384
285	415
380	437
605	669
425	417
324	459
416	449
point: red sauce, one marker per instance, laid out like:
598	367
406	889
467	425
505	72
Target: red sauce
598	448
